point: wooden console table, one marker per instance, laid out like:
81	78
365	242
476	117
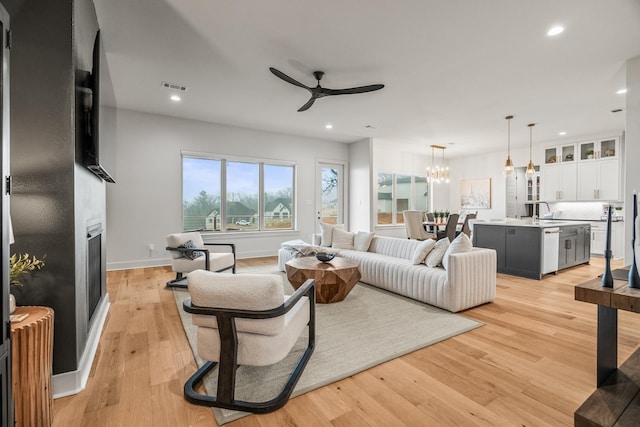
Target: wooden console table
31	359
616	401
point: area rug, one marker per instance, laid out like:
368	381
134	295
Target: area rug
369	327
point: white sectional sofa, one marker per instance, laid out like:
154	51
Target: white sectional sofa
470	279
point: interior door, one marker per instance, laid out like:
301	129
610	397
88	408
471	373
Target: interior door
330	193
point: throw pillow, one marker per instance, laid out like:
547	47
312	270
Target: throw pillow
434	258
462	243
422	250
362	241
326	233
342	239
190	254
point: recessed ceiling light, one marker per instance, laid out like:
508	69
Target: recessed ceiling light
175	98
328	126
563	133
554	31
622	91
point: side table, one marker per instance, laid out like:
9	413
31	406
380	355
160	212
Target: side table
31	360
616	400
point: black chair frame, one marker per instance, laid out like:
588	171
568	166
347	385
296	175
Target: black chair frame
179	282
227	366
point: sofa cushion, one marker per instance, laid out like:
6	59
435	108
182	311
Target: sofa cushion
422	250
362	241
434	258
326	233
462	243
342	239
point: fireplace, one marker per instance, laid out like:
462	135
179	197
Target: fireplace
94	267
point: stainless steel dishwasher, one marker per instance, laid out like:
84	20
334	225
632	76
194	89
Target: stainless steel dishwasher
550	250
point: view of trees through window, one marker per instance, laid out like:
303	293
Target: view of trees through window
330	178
398	192
239	206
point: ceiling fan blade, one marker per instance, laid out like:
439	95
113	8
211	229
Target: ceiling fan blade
287	79
349	91
309	103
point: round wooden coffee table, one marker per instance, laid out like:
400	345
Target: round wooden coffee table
334	279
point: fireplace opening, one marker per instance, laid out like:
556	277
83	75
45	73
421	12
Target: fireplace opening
94	267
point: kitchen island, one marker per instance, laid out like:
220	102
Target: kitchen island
531	249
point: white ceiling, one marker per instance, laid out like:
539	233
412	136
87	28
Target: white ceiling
452	69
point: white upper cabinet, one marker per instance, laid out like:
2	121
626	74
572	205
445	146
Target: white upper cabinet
585	171
560	154
599	180
559	182
604	148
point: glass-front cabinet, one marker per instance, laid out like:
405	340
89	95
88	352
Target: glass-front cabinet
598	149
560	154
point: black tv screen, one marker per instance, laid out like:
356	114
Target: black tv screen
94	148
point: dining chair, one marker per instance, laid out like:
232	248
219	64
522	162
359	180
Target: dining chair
466	229
450	229
414	227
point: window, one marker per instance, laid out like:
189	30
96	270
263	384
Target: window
243	194
278	189
403	196
253	196
385	198
399	192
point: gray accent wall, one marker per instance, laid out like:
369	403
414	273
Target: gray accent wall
54	198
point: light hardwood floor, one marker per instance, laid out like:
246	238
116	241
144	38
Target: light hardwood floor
531	364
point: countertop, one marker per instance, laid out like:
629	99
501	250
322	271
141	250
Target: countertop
540	224
614	219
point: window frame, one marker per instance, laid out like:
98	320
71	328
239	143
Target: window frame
394	196
261	162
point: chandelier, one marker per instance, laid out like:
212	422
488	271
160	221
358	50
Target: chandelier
437	173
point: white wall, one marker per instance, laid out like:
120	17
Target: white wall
632	151
145	204
489	165
386	158
361	214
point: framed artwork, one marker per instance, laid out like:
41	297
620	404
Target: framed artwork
475	193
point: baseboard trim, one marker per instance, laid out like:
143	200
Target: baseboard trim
161	262
74	382
127	265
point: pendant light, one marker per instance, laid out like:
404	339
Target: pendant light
531	169
437	173
508	165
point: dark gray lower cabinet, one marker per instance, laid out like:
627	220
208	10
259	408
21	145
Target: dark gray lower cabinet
523	251
575	245
518	249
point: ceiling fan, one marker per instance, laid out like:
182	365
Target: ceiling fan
320	92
